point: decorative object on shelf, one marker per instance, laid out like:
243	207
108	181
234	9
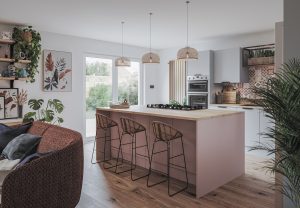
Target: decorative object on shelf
57	71
6	35
150	57
21	73
50	114
260	55
21	100
28	45
281	101
10	95
187	52
9	72
122	61
2	107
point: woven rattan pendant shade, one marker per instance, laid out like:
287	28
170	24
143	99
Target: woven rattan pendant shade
187	52
150	57
122	61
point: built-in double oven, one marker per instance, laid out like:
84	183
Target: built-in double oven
197	90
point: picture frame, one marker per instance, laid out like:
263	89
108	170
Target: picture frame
10	102
2	107
57	71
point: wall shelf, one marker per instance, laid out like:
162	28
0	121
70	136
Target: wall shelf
24	61
8	60
9	42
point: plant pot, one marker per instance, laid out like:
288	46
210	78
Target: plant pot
20	111
27	36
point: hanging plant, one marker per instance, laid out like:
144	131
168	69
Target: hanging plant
28	46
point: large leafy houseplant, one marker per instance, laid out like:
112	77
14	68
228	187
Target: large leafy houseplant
280	98
50	113
28	45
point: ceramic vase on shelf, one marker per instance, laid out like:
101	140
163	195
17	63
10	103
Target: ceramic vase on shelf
20	111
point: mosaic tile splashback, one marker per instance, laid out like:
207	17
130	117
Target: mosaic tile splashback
257	76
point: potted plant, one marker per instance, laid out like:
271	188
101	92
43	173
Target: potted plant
27	46
280	99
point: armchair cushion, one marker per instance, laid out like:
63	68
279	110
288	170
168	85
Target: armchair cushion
21	146
10	133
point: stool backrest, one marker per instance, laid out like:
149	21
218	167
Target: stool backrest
130	126
165	132
104	122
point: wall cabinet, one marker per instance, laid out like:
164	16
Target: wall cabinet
228	66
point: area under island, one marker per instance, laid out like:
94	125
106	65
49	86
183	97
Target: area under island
214	143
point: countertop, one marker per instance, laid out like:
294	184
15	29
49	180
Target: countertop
236	106
177	114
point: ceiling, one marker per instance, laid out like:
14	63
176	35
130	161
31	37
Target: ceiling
101	19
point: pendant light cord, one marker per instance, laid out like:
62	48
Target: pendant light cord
187	23
122	38
150	20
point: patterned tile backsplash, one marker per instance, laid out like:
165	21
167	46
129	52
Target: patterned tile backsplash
257	76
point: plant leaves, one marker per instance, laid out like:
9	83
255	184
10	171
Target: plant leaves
35	104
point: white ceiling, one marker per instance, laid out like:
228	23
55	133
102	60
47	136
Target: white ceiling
100	19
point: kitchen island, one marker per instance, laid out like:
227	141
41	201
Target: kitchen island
213	140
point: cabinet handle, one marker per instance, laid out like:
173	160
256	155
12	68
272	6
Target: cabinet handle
222	106
248	108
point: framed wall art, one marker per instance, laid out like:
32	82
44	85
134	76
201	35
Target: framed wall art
57	71
10	102
2	107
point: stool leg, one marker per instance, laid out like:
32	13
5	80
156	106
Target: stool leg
95	148
187	183
150	168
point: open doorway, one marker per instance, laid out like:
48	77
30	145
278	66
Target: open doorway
98	89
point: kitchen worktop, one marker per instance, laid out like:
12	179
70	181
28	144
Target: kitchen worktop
236	106
168	113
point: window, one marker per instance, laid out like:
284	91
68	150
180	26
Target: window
128	83
98	89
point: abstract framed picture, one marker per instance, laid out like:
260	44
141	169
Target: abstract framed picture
2	107
57	67
10	102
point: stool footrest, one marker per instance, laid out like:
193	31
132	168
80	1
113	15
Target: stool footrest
154	153
176	156
141	155
177	165
140	146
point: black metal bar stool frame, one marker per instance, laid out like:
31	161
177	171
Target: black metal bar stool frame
132	128
106	124
162	127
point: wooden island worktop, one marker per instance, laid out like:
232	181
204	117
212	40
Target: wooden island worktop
213	140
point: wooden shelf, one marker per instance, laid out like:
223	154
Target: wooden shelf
257	65
14	78
9	42
8	60
24	61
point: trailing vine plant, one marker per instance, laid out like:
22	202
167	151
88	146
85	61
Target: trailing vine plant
28	45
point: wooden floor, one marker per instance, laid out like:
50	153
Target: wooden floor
104	189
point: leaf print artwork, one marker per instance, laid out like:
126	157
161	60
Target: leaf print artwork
57	71
49	63
10	104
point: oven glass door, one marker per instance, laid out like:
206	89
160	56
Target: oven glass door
198	86
198	100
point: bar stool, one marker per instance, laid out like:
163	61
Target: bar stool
106	124
165	133
132	128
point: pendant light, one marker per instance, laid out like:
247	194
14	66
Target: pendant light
187	52
122	61
150	57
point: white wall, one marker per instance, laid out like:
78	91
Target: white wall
75	101
210	44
